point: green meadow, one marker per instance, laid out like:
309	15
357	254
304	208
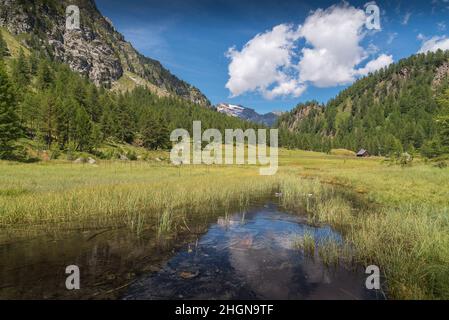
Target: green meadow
392	216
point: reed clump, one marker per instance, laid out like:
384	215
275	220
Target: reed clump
306	243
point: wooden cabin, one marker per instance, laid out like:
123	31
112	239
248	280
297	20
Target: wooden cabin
362	153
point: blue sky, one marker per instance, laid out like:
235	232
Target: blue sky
192	38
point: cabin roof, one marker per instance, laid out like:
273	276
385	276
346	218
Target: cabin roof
362	152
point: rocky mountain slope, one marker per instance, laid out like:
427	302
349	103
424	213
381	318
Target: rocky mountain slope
295	118
248	114
96	50
391	110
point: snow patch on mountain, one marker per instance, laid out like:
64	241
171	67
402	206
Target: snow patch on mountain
248	114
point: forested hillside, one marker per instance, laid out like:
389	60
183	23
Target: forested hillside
95	50
401	108
58	109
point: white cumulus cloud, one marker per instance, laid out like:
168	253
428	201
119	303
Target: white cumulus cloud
434	43
264	61
334	34
272	64
288	87
381	62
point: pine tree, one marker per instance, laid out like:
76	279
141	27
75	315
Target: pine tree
96	136
432	148
149	133
10	129
30	116
21	71
82	130
163	135
34	63
108	121
44	75
47	112
64	114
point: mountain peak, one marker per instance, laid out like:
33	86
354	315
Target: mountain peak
248	114
96	50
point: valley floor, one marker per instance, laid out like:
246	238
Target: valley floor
394	217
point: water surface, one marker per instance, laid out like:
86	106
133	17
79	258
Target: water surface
247	255
253	255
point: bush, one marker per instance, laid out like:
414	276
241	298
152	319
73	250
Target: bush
108	154
55	153
132	155
21	154
403	159
431	149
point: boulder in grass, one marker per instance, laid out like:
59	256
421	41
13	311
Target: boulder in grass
80	160
405	159
123	157
91	160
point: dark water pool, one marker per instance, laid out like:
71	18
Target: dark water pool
249	255
253	255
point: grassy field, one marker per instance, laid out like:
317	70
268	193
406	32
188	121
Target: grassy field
395	217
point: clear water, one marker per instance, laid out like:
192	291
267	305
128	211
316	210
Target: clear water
253	256
249	255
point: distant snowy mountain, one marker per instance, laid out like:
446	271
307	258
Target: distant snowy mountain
248	114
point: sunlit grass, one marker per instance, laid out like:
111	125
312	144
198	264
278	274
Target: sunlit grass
389	216
330	252
61	192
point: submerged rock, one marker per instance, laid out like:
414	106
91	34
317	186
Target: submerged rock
189	275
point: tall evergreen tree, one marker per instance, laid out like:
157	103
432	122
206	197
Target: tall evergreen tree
21	71
33	63
44	75
149	133
82	130
163	137
10	129
48	117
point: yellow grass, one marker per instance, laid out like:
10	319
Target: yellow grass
343	152
14	45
